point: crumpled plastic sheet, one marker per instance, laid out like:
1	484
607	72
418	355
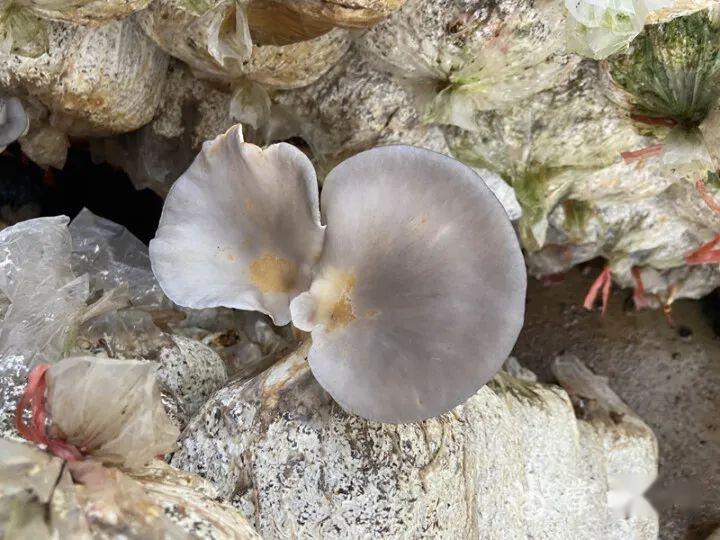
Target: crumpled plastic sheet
463	56
120	419
211	36
44	303
599	28
46	298
39	501
112	257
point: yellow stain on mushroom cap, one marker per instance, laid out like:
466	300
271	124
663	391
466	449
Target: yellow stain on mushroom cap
273	274
333	294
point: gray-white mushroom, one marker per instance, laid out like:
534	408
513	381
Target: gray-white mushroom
414	294
13	120
240	228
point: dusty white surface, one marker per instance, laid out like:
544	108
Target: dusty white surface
499	466
672	382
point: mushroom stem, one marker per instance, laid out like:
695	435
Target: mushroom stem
328	303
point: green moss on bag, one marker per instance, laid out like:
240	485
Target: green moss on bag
673	69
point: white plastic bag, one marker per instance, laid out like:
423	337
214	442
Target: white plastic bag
109	409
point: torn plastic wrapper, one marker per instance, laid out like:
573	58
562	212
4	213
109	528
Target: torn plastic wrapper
42	499
598	28
121	420
48	303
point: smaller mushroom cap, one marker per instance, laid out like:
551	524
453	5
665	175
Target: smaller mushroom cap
13	120
419	294
240	228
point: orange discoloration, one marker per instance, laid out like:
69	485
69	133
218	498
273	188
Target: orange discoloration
341	312
273	274
333	297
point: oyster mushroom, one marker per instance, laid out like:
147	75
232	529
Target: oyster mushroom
415	274
13	120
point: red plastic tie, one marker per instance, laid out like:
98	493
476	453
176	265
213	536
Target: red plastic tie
36	430
603	282
654	120
706	253
649	151
702	190
639	297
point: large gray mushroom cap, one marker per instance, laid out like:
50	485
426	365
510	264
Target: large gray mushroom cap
419	295
414	294
13	120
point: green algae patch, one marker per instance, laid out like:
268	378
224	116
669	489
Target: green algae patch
672	70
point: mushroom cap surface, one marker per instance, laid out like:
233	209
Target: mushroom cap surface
13	120
419	294
240	228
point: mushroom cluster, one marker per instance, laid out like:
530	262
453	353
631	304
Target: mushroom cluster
410	275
